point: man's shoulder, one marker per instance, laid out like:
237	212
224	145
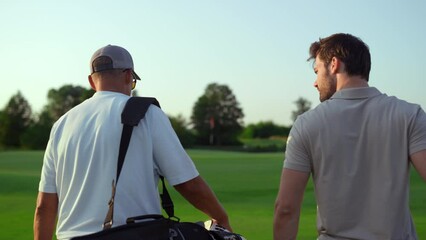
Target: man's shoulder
314	113
399	107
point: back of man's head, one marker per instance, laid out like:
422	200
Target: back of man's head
351	50
105	74
112	57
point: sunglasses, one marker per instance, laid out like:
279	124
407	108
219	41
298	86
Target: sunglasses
133	81
133	84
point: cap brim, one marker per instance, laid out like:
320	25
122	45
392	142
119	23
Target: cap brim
135	75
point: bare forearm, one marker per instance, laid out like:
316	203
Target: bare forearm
285	225
419	161
45	216
289	204
44	226
199	194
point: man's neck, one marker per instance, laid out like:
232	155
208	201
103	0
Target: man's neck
346	81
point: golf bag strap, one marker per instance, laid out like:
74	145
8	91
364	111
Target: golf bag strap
133	112
166	201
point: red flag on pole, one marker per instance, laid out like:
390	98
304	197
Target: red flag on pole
211	122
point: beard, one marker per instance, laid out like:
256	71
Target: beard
328	89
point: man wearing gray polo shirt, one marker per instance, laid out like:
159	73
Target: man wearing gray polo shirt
358	144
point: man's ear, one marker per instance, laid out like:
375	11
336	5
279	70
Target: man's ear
92	84
335	65
129	77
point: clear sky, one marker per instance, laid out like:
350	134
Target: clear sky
257	48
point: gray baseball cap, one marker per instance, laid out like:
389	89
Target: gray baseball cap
120	59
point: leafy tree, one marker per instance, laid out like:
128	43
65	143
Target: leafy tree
248	132
302	105
135	93
63	99
37	134
59	102
14	120
217	116
186	137
265	130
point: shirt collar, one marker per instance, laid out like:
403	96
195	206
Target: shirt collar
108	93
356	93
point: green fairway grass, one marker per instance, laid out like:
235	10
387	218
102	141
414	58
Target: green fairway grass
19	176
246	184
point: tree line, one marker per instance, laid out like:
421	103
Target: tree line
216	119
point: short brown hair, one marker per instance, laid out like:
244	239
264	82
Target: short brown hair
347	48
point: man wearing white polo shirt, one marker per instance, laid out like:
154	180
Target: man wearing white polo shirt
81	159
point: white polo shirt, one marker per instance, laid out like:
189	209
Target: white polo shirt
357	146
80	164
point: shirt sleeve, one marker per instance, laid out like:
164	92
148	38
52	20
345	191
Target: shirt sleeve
47	182
417	133
296	155
170	157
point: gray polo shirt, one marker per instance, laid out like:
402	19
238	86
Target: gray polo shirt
357	146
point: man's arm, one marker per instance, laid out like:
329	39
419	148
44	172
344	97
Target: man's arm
199	194
45	216
288	204
419	161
